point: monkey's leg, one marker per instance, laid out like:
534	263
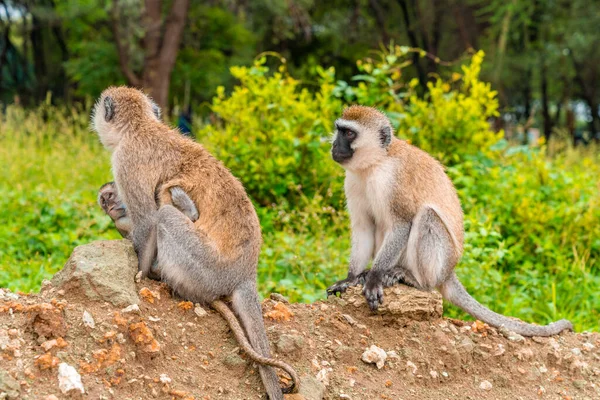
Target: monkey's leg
431	258
430	254
363	243
388	257
190	266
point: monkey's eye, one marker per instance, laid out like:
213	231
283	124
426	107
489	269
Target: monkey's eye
349	134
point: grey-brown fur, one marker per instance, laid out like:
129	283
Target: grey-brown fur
407	217
214	257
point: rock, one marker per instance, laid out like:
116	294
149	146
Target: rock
69	379
580	384
322	376
134	308
289	343
296	396
102	270
524	354
510	335
88	320
9	385
311	388
466	345
375	355
485	385
402	301
164	378
349	319
345	354
233	360
199	311
279	297
412	366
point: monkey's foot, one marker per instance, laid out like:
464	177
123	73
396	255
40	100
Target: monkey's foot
154	272
373	290
344	284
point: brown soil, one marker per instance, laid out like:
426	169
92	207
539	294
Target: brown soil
125	355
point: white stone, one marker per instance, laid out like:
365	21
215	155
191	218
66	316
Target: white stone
134	308
164	378
485	385
69	379
88	320
375	355
199	311
411	365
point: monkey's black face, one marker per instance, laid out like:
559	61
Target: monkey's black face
341	150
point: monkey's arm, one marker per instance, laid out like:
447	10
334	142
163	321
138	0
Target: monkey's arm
363	244
387	258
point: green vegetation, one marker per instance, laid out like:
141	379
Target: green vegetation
532	244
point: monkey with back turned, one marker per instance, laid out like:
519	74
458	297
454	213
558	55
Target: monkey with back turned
204	260
406	217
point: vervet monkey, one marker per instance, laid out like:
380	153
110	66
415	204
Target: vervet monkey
203	261
406	216
111	203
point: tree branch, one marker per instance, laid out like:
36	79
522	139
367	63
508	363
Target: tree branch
123	52
173	32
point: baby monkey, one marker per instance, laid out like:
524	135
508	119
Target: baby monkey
112	205
406	215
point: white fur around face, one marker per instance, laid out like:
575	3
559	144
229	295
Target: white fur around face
109	135
367	147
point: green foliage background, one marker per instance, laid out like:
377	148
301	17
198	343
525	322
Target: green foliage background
532	242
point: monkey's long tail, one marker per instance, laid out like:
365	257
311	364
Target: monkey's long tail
240	336
453	291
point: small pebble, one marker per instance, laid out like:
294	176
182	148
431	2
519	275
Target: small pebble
199	311
485	385
134	308
88	320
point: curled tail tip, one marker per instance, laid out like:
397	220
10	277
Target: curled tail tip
565	325
295	385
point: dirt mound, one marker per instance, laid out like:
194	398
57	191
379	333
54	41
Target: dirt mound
167	348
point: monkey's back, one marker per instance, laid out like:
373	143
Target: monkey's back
423	181
227	215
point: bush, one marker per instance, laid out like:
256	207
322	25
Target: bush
450	121
273	134
532	248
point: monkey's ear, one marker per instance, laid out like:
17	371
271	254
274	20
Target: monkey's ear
156	110
109	108
385	136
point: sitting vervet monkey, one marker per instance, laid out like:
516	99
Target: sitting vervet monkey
406	215
203	261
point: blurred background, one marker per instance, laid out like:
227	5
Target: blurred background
504	93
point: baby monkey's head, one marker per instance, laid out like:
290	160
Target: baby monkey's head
361	137
119	110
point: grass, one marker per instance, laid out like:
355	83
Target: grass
533	241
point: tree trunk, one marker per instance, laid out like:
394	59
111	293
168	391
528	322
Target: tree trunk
160	50
412	38
380	18
39	58
545	106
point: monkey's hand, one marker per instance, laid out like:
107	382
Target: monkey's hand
344	284
373	290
